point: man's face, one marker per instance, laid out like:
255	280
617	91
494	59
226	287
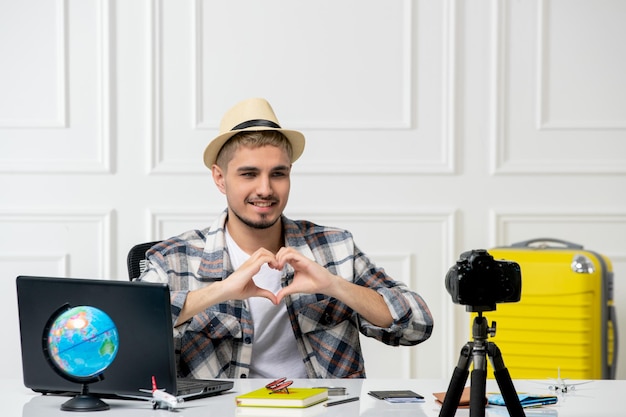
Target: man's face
256	184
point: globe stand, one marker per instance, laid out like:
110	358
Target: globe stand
85	402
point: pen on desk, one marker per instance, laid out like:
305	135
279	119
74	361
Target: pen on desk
347	400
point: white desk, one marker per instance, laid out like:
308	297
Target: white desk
595	399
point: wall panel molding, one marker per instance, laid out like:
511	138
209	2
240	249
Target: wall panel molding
71	142
36	261
59	121
75	243
603	227
155	128
409	126
524	137
407	70
545	31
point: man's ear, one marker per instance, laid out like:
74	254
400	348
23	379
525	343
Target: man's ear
218	178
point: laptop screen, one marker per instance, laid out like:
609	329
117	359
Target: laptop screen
140	312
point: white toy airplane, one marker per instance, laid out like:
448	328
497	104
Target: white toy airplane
160	398
560	386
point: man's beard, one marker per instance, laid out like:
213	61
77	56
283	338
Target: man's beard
261	224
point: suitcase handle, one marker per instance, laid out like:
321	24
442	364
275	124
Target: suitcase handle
613	366
527	243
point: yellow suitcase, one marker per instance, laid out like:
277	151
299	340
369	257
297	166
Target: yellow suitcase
565	319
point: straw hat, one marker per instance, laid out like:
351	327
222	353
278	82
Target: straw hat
253	114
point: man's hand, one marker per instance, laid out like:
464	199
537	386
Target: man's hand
312	278
309	278
238	286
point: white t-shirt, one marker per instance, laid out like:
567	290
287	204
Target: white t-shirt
274	351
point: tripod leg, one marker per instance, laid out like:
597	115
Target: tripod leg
478	393
478	382
505	383
457	383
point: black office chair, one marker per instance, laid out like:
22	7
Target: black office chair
136	259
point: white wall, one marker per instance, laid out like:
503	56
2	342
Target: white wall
433	127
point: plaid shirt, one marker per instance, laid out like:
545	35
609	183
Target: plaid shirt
218	342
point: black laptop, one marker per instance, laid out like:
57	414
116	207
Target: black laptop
141	312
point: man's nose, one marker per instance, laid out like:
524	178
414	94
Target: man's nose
264	186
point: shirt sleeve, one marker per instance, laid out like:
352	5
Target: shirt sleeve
412	319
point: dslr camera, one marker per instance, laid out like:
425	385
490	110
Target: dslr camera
479	282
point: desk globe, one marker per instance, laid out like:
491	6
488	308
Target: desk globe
80	343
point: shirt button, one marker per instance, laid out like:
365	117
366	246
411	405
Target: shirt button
247	340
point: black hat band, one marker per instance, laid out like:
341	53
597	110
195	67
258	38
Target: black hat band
255	123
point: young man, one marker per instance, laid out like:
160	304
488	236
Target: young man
259	295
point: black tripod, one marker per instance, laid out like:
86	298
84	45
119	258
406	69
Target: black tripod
478	350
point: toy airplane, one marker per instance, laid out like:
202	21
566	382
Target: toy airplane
560	386
160	398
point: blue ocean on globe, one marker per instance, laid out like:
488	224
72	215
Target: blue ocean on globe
83	341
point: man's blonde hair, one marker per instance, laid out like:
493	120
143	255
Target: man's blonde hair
252	139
